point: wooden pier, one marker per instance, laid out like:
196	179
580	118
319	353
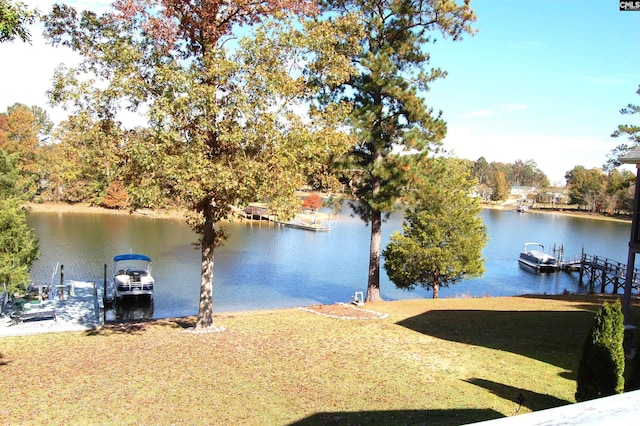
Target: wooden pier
309	221
601	274
254	211
605	275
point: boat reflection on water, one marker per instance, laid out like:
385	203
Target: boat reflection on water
131	308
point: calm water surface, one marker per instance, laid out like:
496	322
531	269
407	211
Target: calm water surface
264	266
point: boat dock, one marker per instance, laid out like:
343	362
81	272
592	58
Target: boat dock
308	221
77	309
298	224
601	274
572	264
605	275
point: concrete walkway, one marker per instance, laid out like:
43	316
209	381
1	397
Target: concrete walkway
78	311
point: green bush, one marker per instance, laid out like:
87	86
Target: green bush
602	365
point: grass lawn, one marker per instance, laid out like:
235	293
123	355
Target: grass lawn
447	361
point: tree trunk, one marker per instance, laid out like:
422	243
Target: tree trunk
373	284
205	307
436	285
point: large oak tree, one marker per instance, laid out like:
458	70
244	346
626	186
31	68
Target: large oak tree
224	112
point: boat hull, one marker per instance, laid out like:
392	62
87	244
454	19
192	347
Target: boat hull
131	291
539	261
538	267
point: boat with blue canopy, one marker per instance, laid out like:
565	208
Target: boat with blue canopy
132	276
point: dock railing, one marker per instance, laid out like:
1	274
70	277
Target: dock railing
601	273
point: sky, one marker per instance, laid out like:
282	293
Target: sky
541	80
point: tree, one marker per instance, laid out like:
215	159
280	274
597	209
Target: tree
482	171
389	111
224	126
586	186
20	133
18	245
500	187
312	202
527	173
632	131
601	368
116	196
14	19
98	145
619	193
41	120
443	236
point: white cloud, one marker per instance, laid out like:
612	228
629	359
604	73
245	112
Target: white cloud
554	155
504	108
28	68
479	113
611	81
27	72
513	107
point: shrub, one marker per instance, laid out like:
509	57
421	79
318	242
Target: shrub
602	365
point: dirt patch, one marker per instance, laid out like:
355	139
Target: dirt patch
344	311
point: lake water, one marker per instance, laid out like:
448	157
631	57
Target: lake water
265	266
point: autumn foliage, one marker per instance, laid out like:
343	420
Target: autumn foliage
116	197
312	202
202	24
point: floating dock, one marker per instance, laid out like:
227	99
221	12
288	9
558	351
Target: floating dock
308	221
317	227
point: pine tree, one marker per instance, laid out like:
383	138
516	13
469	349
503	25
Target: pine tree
390	113
443	236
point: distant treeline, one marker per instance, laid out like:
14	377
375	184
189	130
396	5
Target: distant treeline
87	163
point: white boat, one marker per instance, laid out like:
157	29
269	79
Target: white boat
534	257
132	279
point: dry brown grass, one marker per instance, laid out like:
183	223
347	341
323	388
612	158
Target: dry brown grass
448	361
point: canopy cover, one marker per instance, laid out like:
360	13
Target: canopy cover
131	256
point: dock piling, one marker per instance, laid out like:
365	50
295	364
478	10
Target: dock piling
104	286
61	282
604	273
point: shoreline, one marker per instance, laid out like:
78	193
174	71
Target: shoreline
176	214
584	215
89	209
